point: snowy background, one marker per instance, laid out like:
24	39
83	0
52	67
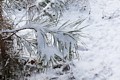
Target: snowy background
101	60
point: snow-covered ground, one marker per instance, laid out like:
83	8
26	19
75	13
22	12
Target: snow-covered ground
102	59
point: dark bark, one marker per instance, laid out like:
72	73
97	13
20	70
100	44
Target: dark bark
3	47
9	65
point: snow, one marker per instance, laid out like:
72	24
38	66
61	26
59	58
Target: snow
103	56
102	59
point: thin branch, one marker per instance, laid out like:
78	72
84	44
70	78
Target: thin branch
29	26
